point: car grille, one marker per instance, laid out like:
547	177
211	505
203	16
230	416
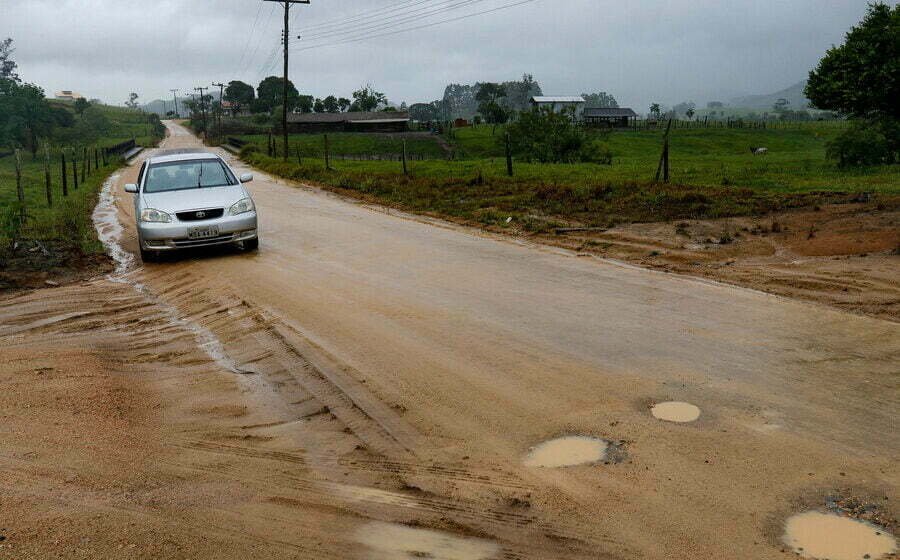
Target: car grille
199	242
195	215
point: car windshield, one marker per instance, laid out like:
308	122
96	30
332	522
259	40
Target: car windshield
190	174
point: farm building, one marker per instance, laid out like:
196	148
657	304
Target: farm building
560	103
394	121
609	117
68	95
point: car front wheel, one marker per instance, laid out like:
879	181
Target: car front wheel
251	244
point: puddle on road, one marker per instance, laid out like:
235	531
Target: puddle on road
818	535
675	411
389	541
567	452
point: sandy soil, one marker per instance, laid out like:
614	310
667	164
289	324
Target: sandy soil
372	386
846	256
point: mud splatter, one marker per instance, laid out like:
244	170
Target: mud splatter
567	451
818	535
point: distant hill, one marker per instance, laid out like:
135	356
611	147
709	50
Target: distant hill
794	94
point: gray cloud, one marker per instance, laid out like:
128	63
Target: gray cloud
652	50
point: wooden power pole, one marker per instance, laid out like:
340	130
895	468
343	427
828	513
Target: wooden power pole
175	98
286	41
221	87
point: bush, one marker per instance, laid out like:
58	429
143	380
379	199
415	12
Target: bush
249	150
863	144
546	136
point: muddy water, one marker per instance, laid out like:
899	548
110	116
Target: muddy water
674	411
566	452
820	535
389	541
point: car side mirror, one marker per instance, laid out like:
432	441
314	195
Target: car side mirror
131	188
246	177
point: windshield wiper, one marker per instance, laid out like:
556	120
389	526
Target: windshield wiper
200	176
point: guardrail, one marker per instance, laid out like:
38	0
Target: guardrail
121	147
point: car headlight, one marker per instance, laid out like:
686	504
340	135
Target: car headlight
241	206
153	215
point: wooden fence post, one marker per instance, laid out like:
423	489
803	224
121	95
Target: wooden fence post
96	158
65	173
83	164
509	163
20	190
663	168
327	160
405	170
47	184
299	156
75	169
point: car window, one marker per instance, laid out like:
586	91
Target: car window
192	174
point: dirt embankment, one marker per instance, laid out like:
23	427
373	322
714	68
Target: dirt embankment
843	255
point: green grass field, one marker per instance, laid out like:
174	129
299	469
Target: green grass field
68	222
351	144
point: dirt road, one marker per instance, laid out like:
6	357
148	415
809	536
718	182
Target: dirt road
370	385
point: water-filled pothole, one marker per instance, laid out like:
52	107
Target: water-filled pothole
814	534
392	541
567	451
675	411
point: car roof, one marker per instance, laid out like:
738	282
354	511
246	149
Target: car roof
165	156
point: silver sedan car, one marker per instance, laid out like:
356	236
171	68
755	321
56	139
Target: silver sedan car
190	199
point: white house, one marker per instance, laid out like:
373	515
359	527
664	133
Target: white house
561	103
68	95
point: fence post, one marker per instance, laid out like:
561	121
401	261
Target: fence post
83	164
405	170
65	172
299	156
509	163
96	158
327	160
75	168
20	191
47	175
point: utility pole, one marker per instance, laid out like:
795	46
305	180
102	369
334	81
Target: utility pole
175	97
203	108
221	87
284	39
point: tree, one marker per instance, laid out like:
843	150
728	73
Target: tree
423	112
132	102
7	64
25	115
306	103
81	104
344	104
240	95
331	105
367	99
655	111
861	78
270	93
319	106
519	93
690	113
683	108
600	100
548	136
488	97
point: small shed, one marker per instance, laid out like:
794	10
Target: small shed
560	103
355	121
609	117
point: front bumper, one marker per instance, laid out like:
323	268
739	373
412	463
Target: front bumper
174	235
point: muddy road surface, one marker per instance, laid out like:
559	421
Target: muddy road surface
376	385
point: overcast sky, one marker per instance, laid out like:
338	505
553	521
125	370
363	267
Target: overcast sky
640	51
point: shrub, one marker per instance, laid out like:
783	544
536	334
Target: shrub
863	144
546	136
249	150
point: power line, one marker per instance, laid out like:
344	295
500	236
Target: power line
393	21
250	35
415	28
258	43
362	15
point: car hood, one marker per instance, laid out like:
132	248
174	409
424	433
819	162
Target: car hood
195	199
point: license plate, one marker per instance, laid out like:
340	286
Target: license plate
203	232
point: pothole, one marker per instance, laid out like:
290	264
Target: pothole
567	452
674	411
818	535
390	541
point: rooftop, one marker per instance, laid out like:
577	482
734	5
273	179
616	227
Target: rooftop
557	99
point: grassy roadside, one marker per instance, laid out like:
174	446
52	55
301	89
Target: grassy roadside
55	241
532	200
